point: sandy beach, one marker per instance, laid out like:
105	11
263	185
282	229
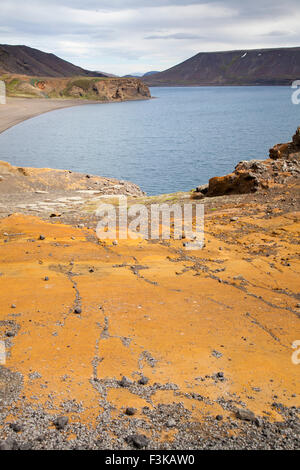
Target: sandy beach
19	109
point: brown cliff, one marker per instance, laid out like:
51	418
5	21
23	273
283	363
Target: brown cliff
96	88
249	176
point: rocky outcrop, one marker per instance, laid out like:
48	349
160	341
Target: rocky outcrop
249	176
23	180
96	88
289	151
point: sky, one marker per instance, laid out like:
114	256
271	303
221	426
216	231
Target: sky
130	36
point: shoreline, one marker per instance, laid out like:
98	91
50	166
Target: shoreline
17	110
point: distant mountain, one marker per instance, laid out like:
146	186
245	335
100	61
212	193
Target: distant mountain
139	75
104	74
133	75
24	60
150	73
279	66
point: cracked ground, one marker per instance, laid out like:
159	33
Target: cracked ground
212	330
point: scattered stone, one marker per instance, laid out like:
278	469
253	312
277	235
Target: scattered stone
61	422
125	382
143	380
216	354
234	219
42	237
259	422
220	375
13	306
10	334
16	427
239	277
9	444
245	415
219	417
202	189
46	278
25	446
130	411
138	440
115	242
77	310
171	423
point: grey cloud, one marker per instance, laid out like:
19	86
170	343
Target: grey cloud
176	36
278	33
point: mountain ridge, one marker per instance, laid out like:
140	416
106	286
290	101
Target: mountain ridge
266	66
25	60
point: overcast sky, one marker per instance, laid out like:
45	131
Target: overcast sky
126	36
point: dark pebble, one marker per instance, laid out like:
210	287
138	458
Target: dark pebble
130	411
46	278
10	334
42	237
259	422
16	427
143	380
61	422
125	382
77	310
219	417
138	440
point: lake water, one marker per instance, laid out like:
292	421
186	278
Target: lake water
172	143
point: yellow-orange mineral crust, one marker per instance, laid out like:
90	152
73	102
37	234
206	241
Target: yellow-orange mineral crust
184	318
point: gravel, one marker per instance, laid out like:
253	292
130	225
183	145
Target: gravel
121	432
29	426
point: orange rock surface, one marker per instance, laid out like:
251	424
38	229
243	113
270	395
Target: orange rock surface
155	309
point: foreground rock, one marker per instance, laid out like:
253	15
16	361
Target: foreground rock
232	307
43	181
250	176
55	193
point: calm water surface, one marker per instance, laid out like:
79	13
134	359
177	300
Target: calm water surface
174	142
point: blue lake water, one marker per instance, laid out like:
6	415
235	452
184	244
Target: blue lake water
172	143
